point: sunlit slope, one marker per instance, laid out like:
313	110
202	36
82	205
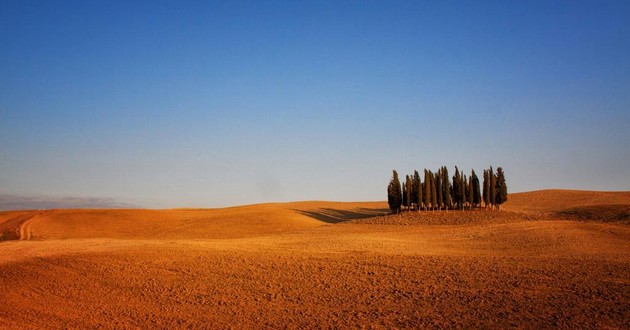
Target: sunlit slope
11	221
234	222
557	200
286	266
276	218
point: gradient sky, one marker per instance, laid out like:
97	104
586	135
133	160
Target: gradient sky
184	103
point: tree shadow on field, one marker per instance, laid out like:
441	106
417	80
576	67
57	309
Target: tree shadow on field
330	215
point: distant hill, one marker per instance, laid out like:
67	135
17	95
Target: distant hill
556	200
277	218
20	202
231	222
606	206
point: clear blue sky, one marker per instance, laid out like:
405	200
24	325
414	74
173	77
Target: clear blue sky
186	103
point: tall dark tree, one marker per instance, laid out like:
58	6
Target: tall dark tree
471	193
438	189
414	189
418	190
404	195
486	189
394	193
427	189
457	195
408	187
463	187
493	187
423	197
437	192
446	188
502	194
475	189
433	191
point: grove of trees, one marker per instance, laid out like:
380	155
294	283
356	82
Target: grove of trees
437	192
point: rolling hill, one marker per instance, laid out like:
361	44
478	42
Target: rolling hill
324	264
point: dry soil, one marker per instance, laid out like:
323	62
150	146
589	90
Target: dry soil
549	259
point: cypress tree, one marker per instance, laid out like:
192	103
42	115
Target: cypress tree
446	188
475	189
438	188
471	192
462	189
486	189
437	192
457	197
501	196
433	191
408	191
404	195
404	204
394	195
418	189
493	187
427	189
423	196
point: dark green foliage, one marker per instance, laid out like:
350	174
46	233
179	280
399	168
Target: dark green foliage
501	188
462	189
486	188
493	186
394	193
417	198
407	194
471	193
457	195
446	188
433	191
427	188
423	196
438	189
437	192
404	195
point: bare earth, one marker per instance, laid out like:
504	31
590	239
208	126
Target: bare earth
549	259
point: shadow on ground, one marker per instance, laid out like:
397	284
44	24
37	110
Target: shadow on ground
619	213
330	215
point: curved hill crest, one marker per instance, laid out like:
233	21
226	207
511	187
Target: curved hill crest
273	218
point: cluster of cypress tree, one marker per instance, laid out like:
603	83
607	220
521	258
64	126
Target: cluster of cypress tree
437	192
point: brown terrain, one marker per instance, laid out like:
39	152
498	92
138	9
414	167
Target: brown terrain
548	259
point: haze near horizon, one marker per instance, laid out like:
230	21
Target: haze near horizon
205	104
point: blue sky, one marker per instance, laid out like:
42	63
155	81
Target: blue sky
185	103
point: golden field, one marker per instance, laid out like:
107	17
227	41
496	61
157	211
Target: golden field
553	258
